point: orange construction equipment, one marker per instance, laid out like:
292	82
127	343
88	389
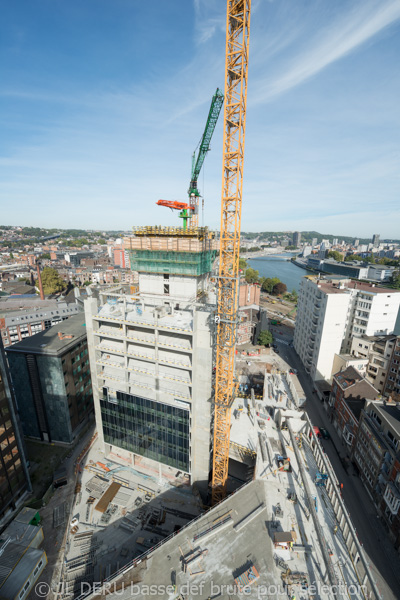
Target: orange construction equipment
174	204
186	210
236	65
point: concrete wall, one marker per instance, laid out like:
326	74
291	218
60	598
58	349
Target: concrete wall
167	367
383	313
180	287
201	402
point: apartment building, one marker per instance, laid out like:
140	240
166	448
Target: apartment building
332	311
322	310
51	378
378	350
349	394
151	356
376	456
390	503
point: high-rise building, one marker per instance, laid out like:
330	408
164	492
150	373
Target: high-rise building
376	240
330	312
14	476
296	238
151	356
314	242
51	376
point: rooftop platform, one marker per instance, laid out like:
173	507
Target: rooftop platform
131	311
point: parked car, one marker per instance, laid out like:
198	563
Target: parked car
293	371
325	433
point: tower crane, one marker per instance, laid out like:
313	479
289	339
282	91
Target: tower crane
203	146
191	210
236	66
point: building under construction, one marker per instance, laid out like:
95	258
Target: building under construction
151	356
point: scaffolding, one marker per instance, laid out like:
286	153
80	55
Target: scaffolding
178	263
160	230
172	250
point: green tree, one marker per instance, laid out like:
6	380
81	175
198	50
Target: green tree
45	255
265	338
51	281
396	280
251	275
335	255
279	289
11	255
267	284
242	264
352	257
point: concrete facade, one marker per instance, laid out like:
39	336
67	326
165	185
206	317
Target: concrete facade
376	456
320	326
151	354
377	350
392	385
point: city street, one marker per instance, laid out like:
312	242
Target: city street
384	560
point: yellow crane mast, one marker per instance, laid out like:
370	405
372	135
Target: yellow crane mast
236	64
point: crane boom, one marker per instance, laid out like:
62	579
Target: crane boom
236	65
204	146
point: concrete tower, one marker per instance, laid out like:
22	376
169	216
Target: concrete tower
151	356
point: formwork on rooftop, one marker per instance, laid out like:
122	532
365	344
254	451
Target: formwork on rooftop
172	250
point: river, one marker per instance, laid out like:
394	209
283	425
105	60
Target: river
278	266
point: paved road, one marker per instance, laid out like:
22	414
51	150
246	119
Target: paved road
384	561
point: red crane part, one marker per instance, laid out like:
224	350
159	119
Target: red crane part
174	204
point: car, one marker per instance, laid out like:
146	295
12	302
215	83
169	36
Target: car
274	346
325	433
293	371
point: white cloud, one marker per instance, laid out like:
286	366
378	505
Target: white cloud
332	43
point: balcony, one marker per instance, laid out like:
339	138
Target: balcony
392	497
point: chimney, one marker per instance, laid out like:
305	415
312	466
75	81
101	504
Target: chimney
39	280
64	336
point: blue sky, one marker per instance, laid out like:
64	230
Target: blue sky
102	103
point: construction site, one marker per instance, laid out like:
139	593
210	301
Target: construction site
194	488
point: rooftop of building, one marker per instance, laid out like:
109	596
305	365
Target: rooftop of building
56	340
16	565
355	386
391	413
340	286
25	303
348	377
377	338
132	309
